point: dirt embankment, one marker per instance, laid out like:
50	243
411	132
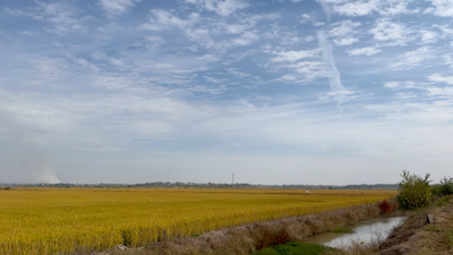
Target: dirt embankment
427	232
244	240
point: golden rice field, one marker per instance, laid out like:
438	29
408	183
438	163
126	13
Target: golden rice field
52	220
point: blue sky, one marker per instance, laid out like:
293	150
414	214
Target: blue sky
278	92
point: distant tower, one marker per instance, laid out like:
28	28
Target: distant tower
232	181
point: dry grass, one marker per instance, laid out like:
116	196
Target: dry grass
52	221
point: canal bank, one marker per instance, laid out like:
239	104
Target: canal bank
425	231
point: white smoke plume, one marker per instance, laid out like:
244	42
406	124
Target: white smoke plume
21	159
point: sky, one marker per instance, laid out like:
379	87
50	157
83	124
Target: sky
277	92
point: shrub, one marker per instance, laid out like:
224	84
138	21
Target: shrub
414	191
446	186
443	201
436	190
387	206
384	206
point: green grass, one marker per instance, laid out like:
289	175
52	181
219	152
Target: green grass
294	248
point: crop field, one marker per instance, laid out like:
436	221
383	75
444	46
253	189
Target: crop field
55	221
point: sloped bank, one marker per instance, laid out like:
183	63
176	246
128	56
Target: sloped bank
428	231
249	238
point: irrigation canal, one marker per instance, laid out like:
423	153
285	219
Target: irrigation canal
364	232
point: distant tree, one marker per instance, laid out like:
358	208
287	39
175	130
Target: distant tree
414	191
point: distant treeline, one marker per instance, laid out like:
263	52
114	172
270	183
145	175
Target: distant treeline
202	185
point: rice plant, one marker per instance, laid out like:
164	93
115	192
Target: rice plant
58	221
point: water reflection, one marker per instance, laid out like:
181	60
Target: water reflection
365	232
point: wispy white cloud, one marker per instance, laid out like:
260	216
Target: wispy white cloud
367	7
342	28
217	90
446	30
399	85
428	37
414	58
221	7
404	96
344	32
303	71
214	80
117	7
242	24
367	51
391	33
162	19
154	41
237	73
63	16
246	38
442	8
440	78
356	8
442	92
300	66
293	56
448	60
345	41
114	62
396	7
307	18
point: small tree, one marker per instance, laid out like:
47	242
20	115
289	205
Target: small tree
446	186
414	191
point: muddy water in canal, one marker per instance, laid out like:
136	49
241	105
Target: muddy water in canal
364	232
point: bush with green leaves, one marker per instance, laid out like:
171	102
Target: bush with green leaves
445	187
414	191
